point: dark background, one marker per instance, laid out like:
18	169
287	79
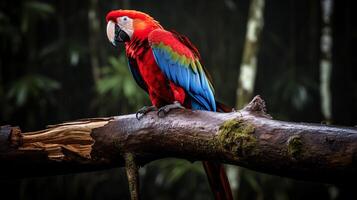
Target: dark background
57	65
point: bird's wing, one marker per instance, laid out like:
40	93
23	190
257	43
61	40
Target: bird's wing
133	66
179	61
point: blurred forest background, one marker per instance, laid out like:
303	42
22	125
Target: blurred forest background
57	65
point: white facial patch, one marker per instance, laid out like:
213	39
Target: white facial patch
126	24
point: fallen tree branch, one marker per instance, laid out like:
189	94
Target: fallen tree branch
248	138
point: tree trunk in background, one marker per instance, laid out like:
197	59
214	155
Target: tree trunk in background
248	70
94	29
248	67
326	62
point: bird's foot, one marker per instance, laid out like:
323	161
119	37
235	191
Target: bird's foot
164	110
142	111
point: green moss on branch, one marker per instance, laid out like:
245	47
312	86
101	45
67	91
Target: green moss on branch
237	137
295	146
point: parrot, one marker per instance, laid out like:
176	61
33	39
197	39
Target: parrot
168	67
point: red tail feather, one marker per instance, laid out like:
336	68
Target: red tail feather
216	173
218	180
223	108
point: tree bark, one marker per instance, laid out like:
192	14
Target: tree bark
248	138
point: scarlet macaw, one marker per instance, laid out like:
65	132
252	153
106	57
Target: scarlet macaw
167	66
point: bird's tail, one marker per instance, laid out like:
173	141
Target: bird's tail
215	171
220	107
218	180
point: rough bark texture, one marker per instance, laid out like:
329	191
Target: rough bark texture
132	173
248	138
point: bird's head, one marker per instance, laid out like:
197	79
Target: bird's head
126	25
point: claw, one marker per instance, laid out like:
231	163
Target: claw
166	109
142	111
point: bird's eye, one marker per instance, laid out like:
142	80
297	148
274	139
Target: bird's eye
125	19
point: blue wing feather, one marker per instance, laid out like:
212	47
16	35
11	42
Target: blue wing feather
192	79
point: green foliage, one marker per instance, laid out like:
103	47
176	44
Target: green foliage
24	88
33	86
174	170
15	29
39	8
33	11
117	84
175	179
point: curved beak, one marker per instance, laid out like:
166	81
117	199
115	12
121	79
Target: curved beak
115	34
